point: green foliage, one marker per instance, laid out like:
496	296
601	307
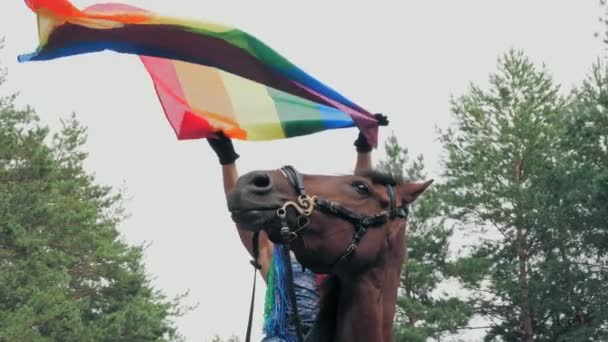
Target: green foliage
529	164
583	162
579	208
65	275
232	338
422	313
602	31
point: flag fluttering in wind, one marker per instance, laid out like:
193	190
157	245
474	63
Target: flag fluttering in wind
208	76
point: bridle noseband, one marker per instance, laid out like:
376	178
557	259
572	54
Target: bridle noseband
306	204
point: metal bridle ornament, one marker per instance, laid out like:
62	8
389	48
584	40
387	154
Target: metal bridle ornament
304	206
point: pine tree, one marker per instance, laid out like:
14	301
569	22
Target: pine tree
578	210
512	168
423	312
65	274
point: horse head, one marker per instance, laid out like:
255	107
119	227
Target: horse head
326	219
349	226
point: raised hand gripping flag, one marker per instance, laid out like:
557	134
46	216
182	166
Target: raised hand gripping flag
208	77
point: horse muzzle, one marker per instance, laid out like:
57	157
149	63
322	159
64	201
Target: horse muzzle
254	200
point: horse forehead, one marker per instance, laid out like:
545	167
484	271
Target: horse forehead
326	181
333	184
326	178
336	184
317	179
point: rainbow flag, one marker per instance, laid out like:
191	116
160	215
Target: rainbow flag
208	76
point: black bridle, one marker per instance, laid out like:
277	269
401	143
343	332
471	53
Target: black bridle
305	206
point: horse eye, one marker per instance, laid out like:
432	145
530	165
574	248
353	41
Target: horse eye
361	187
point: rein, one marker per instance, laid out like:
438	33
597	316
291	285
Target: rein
305	206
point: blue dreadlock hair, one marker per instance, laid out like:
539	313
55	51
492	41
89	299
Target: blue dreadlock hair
276	306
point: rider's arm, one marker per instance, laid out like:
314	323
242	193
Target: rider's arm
364	154
364	149
227	157
364	161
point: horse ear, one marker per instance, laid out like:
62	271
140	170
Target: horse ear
410	191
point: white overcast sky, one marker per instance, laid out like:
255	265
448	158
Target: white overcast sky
402	58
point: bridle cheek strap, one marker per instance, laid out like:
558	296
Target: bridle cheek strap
361	223
295	178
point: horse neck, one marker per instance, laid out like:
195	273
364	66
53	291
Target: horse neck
366	307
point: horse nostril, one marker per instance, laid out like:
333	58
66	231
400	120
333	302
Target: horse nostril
261	182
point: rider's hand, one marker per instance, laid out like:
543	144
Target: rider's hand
222	145
382	119
361	143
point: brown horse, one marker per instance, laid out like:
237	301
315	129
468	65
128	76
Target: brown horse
352	227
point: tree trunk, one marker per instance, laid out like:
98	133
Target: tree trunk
408	294
522	254
526	316
572	299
